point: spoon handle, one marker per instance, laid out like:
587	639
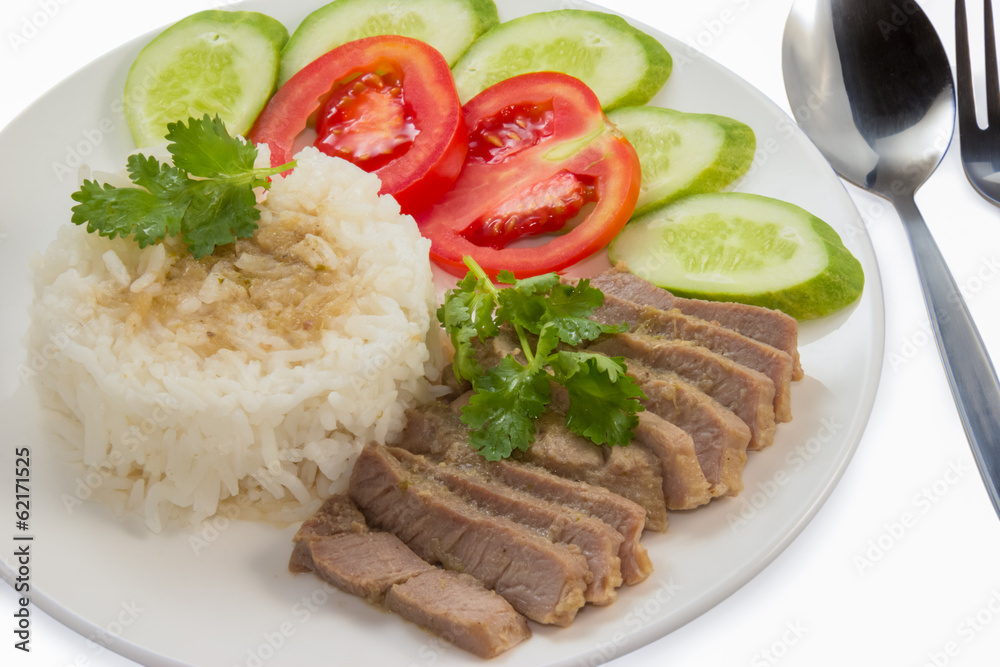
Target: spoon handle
966	362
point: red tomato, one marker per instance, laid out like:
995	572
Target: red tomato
387	104
543	159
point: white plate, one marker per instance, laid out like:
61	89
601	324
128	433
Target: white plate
222	595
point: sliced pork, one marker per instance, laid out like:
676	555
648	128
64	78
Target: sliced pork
596	540
459	608
620	513
719	438
434	429
659	469
378	567
631	472
684	484
772	362
628	471
335	516
542	580
746	392
364	564
764	324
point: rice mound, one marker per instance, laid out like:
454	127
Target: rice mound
249	380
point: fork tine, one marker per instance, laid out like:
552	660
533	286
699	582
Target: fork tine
963	86
992	80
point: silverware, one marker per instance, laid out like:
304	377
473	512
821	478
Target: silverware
980	146
869	82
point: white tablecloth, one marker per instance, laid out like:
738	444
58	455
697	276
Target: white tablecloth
902	564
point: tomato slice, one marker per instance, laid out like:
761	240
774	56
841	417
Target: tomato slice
547	182
367	120
386	103
544	207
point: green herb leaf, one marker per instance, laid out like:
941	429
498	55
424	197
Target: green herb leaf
230	210
570	309
536	302
467	313
464	365
112	212
603	400
508	399
204	148
216	208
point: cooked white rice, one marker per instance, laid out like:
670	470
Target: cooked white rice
250	382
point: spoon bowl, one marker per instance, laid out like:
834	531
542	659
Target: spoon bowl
870	83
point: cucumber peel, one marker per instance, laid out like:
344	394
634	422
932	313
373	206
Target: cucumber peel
731	246
684	153
450	26
213	62
621	64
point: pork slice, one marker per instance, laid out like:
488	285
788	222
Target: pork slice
746	392
434	429
364	564
459	608
772	327
657	445
684	483
570	457
300	561
336	515
542	580
673	324
597	541
634	473
631	472
719	438
337	544
625	516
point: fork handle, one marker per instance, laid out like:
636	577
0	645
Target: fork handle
966	362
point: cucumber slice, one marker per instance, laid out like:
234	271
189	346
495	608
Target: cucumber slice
731	246
215	62
450	26
622	65
684	153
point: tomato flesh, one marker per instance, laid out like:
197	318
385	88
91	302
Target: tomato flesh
543	162
542	208
366	120
387	103
510	131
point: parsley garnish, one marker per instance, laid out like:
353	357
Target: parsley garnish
206	196
508	398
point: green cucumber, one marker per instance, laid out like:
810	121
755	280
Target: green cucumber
731	246
215	62
450	26
622	65
684	153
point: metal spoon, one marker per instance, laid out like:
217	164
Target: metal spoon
869	82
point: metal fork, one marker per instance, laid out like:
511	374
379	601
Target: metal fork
980	146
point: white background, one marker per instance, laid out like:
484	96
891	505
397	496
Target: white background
902	564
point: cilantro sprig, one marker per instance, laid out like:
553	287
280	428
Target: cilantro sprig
550	318
206	196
